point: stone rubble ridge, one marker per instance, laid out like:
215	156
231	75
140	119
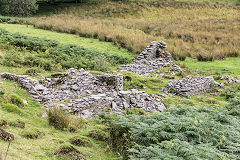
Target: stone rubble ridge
84	94
152	59
191	86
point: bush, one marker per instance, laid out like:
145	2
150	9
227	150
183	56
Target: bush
9	20
28	42
14	99
11	108
18	7
58	118
98	135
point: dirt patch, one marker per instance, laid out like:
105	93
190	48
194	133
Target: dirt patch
3	123
69	152
18	123
6	136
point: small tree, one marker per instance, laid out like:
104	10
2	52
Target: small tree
18	7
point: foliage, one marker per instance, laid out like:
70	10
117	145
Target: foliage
180	133
30	43
9	20
18	7
81	141
98	134
48	54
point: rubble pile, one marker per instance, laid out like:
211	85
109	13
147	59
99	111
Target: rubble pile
191	86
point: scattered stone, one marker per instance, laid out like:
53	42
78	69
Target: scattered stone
191	86
153	58
44	115
87	95
25	102
230	79
6	136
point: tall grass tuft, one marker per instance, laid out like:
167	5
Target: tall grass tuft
58	118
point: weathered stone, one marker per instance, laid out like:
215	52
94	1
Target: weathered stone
87	95
191	86
153	58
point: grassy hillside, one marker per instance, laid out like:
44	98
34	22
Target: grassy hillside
201	30
50	139
101	36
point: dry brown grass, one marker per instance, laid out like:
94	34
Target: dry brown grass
190	29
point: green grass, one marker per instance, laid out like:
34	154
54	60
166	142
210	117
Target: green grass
45	146
230	66
93	44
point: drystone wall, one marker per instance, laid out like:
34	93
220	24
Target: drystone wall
85	94
191	86
153	58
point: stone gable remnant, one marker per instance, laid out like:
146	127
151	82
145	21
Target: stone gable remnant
153	58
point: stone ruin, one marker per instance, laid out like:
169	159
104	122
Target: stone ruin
191	86
84	94
152	59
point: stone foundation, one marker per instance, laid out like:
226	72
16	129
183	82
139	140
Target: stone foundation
84	94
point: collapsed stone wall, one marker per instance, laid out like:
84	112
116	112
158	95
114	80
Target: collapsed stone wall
153	58
191	86
84	94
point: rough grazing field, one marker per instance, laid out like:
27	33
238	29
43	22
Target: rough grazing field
202	30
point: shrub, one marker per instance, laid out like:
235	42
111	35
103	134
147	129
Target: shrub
14	99
12	59
9	20
58	118
11	108
28	42
98	135
18	7
81	141
205	57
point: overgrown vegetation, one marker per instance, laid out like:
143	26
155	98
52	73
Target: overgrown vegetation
202	30
180	133
49	54
18	7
